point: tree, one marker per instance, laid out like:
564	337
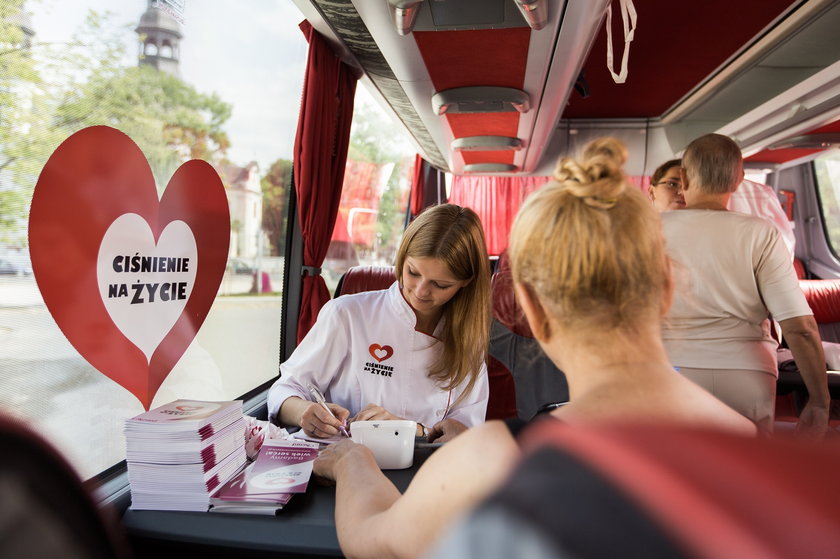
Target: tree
167	118
22	97
49	91
275	187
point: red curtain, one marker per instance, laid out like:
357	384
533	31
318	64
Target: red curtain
495	199
320	152
428	187
418	186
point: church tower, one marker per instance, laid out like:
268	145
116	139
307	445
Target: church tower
159	35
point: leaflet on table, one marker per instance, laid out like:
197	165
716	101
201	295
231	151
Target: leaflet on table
329	440
282	467
162	450
185	418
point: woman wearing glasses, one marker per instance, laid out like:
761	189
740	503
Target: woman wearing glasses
665	188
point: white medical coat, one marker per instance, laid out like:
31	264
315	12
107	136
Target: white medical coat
364	349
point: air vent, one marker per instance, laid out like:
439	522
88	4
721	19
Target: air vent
481	99
490	168
486	143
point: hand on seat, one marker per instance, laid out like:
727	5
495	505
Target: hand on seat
813	422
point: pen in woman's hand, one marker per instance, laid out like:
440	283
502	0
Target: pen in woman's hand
320	399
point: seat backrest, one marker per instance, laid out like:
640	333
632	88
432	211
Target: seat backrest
365	278
823	296
525	378
660	491
505	308
46	510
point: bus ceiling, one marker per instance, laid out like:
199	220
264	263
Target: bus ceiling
481	89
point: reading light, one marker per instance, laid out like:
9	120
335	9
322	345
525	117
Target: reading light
480	99
485	143
534	12
404	13
490	168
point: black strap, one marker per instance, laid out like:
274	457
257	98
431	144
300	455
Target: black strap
579	511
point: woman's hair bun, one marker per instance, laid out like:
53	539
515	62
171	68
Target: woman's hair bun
598	179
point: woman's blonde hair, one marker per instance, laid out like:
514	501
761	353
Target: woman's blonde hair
590	246
609	147
454	235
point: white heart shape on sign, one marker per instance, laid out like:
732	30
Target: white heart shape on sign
146	285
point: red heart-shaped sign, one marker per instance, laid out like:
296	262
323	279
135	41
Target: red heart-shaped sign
380	352
128	278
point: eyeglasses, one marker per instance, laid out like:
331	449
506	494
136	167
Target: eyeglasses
670	184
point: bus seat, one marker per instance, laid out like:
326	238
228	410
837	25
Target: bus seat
658	491
823	296
365	278
526	378
46	510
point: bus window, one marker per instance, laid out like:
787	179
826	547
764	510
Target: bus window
221	84
374	195
827	170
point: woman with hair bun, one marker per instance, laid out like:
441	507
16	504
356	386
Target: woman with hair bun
591	274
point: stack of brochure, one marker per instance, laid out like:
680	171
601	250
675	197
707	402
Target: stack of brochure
179	453
282	469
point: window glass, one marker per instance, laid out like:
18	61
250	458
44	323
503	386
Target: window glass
374	196
827	168
219	82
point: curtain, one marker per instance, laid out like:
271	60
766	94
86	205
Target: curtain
428	188
495	199
320	153
418	186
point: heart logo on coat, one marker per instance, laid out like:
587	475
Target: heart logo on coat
128	278
381	352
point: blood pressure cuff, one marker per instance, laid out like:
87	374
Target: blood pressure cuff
658	492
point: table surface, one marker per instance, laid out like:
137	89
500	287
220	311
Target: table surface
306	526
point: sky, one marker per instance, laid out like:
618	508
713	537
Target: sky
249	52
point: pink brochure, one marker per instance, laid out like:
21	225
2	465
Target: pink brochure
282	467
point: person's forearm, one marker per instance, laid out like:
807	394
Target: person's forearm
362	493
802	336
291	411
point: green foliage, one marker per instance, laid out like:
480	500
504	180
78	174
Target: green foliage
167	118
20	95
275	188
391	219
